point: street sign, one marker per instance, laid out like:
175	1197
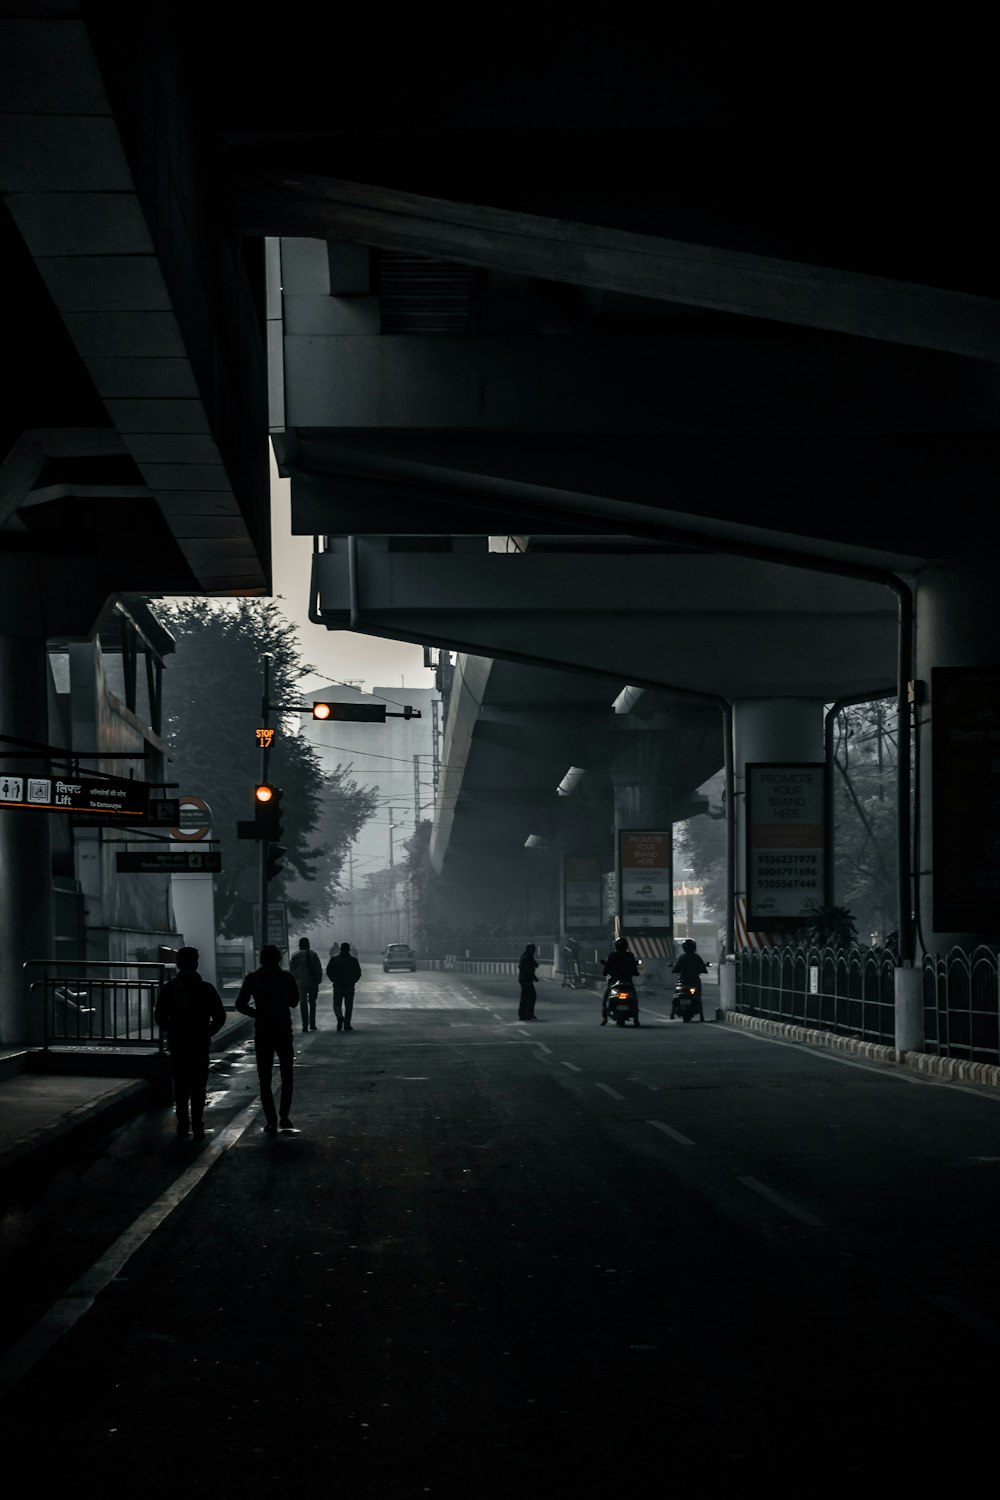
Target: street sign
111	797
264	738
194	822
162	814
277	927
169	862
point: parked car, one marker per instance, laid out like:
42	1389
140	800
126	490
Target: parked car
399	956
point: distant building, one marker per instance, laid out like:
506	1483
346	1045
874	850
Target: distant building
400	759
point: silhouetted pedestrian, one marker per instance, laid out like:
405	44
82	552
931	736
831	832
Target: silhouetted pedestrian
270	995
190	1011
343	971
527	968
307	971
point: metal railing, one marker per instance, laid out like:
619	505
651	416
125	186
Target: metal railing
962	1004
112	1007
849	991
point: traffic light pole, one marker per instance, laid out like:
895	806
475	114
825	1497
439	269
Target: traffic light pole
265	709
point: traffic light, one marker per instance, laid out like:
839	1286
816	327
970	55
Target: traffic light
365	713
267	811
275	854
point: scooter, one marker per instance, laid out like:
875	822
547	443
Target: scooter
621	1003
687	1002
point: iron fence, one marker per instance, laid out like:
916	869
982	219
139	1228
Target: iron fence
849	991
962	1004
112	1007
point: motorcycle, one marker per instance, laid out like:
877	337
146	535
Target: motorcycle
621	1003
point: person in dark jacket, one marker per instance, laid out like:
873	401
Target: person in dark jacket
190	1011
307	971
527	968
343	971
690	966
270	995
620	965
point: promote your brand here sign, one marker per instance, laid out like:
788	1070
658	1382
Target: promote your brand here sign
785	820
646	866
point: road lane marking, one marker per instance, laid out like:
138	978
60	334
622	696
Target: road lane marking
786	1206
573	1067
675	1135
65	1313
613	1092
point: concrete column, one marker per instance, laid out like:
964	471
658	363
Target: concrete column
769	729
643	798
957	625
25	852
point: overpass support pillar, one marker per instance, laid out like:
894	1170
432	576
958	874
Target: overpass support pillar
640	767
768	729
25	852
957	875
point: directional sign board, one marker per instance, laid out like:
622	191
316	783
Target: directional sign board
110	796
169	862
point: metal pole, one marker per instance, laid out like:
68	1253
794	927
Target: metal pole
265	723
416	790
391	810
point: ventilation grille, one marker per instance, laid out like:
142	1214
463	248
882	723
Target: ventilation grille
426	296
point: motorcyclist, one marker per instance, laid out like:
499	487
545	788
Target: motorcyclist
690	967
621	966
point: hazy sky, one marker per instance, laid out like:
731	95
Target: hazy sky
338	655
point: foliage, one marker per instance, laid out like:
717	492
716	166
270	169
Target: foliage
865	814
829	926
212	698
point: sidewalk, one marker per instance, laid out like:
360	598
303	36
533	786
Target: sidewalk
45	1114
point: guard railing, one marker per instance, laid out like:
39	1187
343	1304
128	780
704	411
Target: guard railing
97	1003
849	991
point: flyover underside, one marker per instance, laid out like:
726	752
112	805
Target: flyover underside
699	624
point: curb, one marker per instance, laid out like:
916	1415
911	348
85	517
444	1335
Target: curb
952	1069
119	1103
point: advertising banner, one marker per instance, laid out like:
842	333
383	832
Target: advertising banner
785	822
645	866
965	744
582	895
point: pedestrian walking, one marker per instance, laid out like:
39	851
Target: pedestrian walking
343	971
190	1011
527	968
270	995
307	971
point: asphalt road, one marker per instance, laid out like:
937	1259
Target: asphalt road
501	1259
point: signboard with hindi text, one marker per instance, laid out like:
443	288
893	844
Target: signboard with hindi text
111	797
786	839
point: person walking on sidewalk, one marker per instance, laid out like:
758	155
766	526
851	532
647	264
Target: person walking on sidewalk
527	968
343	971
190	1011
270	995
307	971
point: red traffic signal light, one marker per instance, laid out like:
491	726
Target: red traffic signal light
267	810
359	713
